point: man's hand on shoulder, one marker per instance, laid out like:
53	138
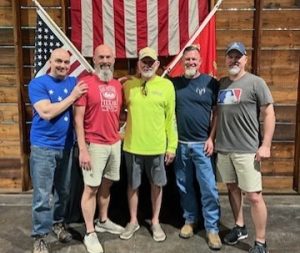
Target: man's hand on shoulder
80	89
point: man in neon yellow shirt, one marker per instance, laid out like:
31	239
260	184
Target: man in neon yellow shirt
150	137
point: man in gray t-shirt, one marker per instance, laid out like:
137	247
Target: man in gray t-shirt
242	99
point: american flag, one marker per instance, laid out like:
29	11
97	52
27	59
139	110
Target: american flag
48	36
129	25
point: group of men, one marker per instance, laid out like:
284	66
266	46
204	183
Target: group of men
184	119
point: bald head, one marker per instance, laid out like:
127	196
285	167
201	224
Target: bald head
59	63
59	52
104	62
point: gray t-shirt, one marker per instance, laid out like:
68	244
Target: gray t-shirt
239	103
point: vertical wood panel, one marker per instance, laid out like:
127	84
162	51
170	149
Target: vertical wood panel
24	149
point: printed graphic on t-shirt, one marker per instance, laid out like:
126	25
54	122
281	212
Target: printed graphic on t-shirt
229	96
109	98
200	91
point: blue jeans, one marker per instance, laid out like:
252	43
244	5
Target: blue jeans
50	171
191	161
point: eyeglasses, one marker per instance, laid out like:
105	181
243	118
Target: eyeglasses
144	88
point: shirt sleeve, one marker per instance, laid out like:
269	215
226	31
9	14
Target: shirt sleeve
37	91
263	92
171	126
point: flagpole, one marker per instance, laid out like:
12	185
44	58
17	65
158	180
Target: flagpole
82	60
199	30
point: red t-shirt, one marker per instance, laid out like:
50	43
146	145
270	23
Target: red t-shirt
103	103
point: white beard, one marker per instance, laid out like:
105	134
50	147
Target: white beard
190	72
148	74
234	70
104	74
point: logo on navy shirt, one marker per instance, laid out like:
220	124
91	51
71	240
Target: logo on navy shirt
229	96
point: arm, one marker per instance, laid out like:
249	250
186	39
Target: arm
84	157
268	115
171	128
209	144
48	110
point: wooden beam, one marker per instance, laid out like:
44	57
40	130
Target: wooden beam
64	20
24	149
296	182
212	4
257	25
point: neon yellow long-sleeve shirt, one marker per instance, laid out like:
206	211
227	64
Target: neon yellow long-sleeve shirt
151	124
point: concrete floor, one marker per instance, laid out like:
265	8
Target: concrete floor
283	229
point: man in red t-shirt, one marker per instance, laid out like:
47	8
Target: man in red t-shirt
96	117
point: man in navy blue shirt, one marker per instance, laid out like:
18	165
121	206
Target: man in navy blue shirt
196	95
51	137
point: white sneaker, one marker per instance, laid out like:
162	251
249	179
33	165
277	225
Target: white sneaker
92	243
109	226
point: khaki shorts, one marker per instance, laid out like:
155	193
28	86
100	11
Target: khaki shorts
242	169
105	162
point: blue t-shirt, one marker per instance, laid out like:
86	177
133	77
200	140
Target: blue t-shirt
195	99
56	133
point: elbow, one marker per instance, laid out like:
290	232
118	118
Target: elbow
46	116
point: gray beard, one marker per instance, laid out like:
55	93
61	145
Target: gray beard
104	75
189	73
234	70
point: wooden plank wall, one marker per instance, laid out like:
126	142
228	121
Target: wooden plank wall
279	60
279	52
10	149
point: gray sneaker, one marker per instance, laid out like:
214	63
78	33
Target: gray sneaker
60	231
92	243
40	245
129	231
157	233
109	226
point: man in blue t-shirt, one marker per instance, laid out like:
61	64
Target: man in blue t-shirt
196	95
51	137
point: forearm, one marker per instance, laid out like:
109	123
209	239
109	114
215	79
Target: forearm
51	110
212	133
268	126
79	128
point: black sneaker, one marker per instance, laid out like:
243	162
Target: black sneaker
236	234
259	248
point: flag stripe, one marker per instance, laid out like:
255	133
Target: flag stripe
152	21
183	22
173	35
163	28
142	26
127	26
193	17
202	10
97	23
119	28
76	32
108	24
87	28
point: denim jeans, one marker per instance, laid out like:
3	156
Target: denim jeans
191	162
50	171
